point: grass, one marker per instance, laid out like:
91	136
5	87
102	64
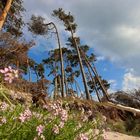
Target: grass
54	113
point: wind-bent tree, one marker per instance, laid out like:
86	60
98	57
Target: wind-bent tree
37	26
70	26
52	63
10	16
99	84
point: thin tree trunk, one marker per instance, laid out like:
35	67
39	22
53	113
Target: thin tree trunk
61	59
98	79
66	85
78	86
5	12
101	85
56	88
81	66
97	93
28	69
60	83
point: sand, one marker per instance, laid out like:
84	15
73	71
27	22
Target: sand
118	136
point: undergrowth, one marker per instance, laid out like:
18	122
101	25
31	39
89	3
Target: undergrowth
51	121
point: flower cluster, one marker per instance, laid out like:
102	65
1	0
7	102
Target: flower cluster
9	74
26	115
57	110
40	129
2	120
55	129
82	137
4	106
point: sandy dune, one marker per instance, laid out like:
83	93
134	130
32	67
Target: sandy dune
118	136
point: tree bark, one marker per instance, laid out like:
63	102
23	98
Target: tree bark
5	12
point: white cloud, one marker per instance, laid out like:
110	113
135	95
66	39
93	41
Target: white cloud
111	27
100	58
131	81
113	85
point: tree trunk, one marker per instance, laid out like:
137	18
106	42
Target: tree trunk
97	93
78	86
61	59
4	13
28	69
122	107
98	79
81	66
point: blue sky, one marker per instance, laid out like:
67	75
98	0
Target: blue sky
111	28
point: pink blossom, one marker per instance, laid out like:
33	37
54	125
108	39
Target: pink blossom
55	129
10	68
2	71
61	124
4	106
82	137
9	74
26	115
40	129
6	70
3	120
22	118
63	115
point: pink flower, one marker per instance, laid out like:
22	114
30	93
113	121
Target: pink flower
10	68
3	120
40	129
61	125
82	137
6	70
2	71
22	118
9	74
55	129
26	115
4	106
63	115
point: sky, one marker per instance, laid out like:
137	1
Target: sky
111	28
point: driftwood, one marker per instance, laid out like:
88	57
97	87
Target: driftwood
122	107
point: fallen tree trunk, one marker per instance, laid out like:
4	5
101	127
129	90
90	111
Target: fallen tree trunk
122	107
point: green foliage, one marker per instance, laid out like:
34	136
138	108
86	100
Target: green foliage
12	127
37	25
14	21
